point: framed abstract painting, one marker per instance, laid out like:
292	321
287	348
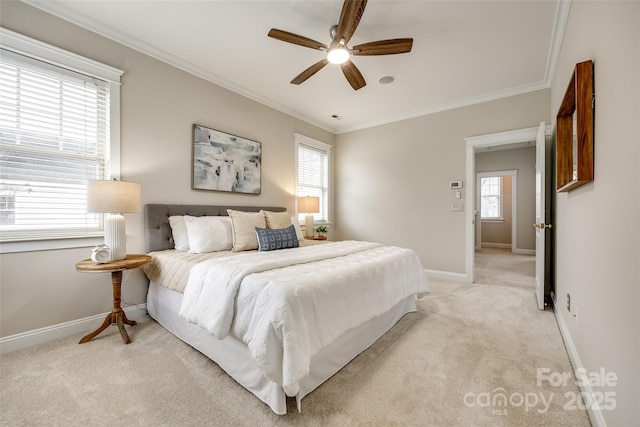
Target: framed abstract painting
225	162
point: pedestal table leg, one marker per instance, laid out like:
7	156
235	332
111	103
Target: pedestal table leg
116	316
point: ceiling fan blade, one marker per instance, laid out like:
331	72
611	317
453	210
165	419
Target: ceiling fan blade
288	37
384	47
353	75
350	16
309	72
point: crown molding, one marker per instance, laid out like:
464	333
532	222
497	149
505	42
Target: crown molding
81	20
533	87
559	25
111	33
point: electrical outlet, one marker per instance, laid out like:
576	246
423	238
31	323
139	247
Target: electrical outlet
569	302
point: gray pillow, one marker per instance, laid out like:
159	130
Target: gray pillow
271	239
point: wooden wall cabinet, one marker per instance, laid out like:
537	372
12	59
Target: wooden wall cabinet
574	131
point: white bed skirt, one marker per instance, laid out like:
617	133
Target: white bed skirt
234	357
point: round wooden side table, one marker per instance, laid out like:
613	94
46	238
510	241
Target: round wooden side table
117	315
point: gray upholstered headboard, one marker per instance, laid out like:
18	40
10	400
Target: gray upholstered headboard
156	220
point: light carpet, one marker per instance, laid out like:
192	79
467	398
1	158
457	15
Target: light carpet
470	356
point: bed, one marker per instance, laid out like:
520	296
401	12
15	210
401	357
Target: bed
283	321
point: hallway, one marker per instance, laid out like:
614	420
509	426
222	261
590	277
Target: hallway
499	266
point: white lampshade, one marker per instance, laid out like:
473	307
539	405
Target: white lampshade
114	197
309	205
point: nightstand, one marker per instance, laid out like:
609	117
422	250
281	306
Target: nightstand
117	316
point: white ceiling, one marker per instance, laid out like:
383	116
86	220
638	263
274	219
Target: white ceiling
463	51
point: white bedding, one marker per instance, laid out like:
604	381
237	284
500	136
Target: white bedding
288	305
233	356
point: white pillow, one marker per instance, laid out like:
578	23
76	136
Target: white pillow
296	225
244	229
179	232
208	233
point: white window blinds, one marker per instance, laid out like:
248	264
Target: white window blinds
313	174
491	197
54	136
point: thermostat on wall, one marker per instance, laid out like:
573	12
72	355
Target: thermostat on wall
455	184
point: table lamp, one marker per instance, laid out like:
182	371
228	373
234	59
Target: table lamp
114	198
308	205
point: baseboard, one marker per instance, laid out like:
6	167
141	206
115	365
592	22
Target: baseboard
508	246
495	245
524	251
447	275
62	330
596	417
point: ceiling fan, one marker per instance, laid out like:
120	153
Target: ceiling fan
338	52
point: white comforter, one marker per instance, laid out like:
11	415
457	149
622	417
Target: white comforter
286	305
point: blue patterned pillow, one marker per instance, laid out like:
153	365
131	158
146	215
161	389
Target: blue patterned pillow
270	239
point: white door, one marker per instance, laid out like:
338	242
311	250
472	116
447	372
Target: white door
541	227
477	221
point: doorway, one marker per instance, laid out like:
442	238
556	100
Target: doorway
496	213
503	140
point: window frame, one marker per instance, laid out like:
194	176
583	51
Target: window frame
322	146
499	196
26	46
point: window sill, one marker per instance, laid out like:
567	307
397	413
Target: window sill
316	223
496	220
47	245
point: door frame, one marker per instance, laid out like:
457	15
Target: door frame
519	137
513	173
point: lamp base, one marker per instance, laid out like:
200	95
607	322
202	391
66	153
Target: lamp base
115	236
309	226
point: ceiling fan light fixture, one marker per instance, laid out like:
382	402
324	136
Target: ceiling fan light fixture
338	55
337	51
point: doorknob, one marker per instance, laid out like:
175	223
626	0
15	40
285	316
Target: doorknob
542	225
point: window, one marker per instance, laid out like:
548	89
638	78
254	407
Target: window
312	166
7	210
55	134
491	198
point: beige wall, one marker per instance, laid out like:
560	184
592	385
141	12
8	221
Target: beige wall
159	106
596	226
524	161
394	179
